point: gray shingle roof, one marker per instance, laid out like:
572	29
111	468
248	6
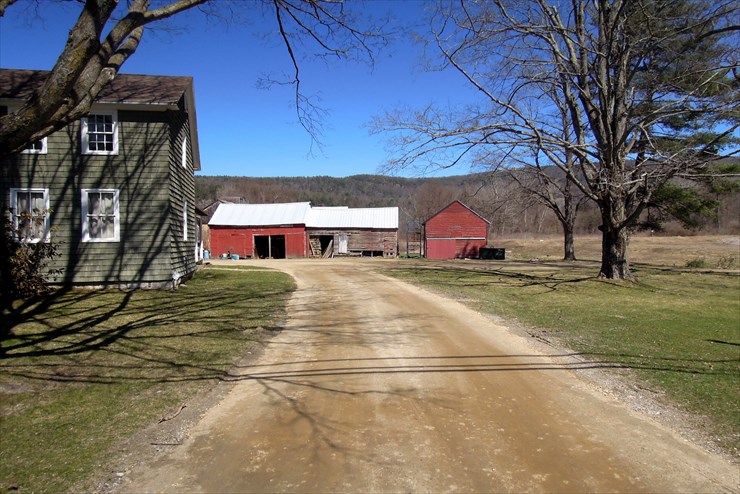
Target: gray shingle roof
124	88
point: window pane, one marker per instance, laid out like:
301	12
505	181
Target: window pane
38	206
106	203
94	205
107	227
24	203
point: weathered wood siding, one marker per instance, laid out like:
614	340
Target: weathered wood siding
454	232
362	240
148	217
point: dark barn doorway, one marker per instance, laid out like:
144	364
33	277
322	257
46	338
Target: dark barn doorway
269	246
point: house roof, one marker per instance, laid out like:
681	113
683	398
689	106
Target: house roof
125	89
461	204
260	214
301	213
381	218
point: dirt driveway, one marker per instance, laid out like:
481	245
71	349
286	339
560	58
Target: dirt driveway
377	386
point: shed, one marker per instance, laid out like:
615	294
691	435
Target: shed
352	231
455	232
260	230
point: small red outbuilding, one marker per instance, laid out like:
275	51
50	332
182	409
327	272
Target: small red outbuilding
455	232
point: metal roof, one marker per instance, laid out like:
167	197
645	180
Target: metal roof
293	213
301	213
352	218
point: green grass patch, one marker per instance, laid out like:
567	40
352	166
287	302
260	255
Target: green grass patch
679	331
83	370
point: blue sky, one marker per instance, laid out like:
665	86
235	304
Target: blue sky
248	131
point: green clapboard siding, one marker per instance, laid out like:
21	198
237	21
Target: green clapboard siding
152	187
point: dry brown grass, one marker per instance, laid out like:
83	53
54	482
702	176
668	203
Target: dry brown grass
718	251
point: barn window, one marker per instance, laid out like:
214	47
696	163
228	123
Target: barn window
100	133
100	215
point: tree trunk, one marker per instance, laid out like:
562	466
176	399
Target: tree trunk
614	263
569	242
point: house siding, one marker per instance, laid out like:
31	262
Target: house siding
141	172
181	192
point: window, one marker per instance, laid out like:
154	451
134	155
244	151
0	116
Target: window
29	209
100	133
184	220
184	152
100	216
38	147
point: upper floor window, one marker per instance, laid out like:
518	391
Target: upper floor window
100	133
100	215
30	212
184	152
38	147
184	220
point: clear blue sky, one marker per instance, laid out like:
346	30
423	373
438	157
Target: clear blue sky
247	131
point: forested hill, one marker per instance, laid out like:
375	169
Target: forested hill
494	196
355	191
417	198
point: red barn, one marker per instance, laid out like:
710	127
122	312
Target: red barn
455	232
260	230
295	230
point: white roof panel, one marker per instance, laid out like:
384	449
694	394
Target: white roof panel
301	213
386	218
293	213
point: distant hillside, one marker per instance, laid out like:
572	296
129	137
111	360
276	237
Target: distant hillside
494	196
416	197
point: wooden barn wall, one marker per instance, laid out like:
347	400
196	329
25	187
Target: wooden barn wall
450	248
456	221
240	240
359	240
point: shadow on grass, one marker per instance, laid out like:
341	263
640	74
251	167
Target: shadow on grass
488	277
135	336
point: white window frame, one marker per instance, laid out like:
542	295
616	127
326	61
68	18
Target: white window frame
85	135
184	152
44	148
85	207
14	213
185	220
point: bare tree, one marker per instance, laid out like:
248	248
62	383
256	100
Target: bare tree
108	32
631	92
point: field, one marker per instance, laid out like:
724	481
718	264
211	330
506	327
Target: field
721	252
674	332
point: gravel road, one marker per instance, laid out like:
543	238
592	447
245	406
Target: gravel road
377	386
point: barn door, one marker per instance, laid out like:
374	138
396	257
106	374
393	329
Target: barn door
343	244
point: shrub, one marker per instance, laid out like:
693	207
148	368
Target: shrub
26	270
698	262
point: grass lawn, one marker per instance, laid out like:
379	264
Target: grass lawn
678	329
85	369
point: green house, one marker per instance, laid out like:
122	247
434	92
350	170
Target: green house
119	183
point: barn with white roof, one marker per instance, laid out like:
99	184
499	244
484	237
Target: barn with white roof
294	230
